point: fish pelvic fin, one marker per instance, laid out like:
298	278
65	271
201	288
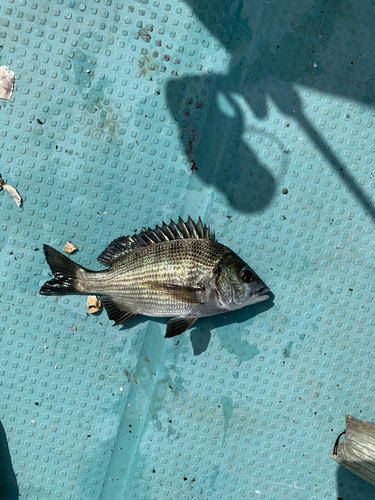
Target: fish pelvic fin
67	274
176	326
116	311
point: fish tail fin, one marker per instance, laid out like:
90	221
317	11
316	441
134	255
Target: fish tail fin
67	275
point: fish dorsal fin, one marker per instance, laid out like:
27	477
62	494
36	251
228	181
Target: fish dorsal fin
182	230
120	247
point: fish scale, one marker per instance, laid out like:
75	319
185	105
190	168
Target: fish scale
180	262
175	271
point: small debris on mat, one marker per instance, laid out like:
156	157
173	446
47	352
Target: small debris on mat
93	304
12	191
74	328
284	191
6	82
69	247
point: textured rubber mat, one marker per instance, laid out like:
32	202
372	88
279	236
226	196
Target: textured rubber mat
257	116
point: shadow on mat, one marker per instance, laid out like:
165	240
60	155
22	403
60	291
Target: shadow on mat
8	482
206	107
352	487
200	333
231	341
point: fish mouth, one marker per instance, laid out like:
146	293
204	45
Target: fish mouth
260	295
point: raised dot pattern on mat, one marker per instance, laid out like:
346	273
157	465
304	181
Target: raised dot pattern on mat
259	120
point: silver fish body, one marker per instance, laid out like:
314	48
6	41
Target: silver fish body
175	271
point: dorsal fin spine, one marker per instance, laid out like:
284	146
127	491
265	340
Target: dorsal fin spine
145	237
154	235
183	228
177	229
200	228
161	233
167	230
193	228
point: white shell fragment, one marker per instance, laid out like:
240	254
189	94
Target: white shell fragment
357	451
6	82
12	191
69	247
93	304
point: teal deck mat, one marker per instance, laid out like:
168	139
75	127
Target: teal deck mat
256	116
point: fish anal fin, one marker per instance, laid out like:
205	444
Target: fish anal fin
179	293
116	311
176	326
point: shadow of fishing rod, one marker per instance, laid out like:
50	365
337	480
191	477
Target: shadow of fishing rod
342	168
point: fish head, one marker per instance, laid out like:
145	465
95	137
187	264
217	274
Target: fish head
237	285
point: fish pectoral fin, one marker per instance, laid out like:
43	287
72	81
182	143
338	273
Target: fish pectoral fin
176	326
116	311
180	293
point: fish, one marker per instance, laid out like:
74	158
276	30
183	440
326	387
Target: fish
176	270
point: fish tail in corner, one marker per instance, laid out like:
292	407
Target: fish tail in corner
67	275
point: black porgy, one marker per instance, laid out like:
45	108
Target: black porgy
176	271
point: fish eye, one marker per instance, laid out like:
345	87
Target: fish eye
247	276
